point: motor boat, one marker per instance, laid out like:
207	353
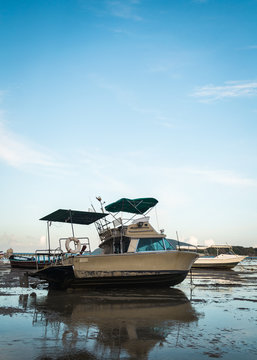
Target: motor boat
215	256
131	252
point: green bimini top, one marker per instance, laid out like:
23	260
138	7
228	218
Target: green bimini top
134	206
74	216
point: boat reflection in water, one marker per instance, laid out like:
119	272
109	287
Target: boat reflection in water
114	324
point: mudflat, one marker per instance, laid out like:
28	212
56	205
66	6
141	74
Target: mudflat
212	314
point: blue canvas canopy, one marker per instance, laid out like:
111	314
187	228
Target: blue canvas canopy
134	206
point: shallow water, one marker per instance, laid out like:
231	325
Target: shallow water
212	314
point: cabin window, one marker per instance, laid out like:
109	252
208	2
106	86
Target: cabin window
150	244
125	245
168	245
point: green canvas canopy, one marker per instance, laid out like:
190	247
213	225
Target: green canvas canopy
74	216
134	206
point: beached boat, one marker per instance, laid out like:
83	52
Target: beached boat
33	261
133	253
215	256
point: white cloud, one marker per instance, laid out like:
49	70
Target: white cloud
1	95
128	98
192	241
122	95
209	242
42	241
103	169
124	9
100	165
159	68
252	47
230	89
200	1
223	177
121	31
165	123
17	152
18	243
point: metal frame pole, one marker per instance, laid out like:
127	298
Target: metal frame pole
71	224
48	236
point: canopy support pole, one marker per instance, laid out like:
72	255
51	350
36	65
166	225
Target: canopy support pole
72	229
48	235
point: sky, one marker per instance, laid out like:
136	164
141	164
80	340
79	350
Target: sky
131	98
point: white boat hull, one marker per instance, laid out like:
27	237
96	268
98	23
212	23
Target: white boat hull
221	261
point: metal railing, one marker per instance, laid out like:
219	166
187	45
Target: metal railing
57	256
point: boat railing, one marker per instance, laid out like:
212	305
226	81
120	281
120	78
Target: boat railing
57	256
47	257
110	233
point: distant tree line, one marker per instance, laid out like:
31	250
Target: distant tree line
238	250
241	250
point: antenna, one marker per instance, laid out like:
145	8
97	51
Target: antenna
178	241
102	208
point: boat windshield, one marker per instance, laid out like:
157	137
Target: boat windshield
153	244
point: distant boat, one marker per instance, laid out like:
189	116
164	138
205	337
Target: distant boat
134	253
221	260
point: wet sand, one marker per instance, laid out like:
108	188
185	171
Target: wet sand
211	315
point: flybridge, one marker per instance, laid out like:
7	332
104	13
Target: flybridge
134	206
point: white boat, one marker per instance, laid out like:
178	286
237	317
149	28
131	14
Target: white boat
133	253
224	257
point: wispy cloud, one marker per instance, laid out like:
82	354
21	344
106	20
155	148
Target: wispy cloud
165	122
103	164
121	94
121	31
160	68
124	9
17	152
252	47
200	1
102	169
1	95
128	98
230	89
19	243
224	177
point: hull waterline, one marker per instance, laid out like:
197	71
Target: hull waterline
63	277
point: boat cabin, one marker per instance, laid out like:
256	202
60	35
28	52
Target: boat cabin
130	236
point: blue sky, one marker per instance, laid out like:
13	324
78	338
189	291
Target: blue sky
129	98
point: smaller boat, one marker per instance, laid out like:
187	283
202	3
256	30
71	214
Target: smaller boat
33	261
215	256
